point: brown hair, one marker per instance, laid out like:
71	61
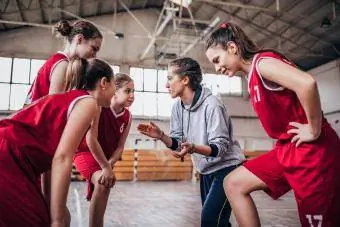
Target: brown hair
84	74
121	79
231	32
87	29
190	68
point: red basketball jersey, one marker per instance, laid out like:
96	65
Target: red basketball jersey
41	84
37	128
110	128
275	106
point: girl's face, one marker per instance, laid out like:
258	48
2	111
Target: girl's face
126	94
226	61
87	48
175	84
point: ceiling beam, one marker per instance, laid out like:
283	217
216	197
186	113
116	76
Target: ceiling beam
43	18
292	5
62	6
2	12
99	8
145	3
135	18
305	31
245	6
114	22
261	29
26	23
80	7
20	10
159	27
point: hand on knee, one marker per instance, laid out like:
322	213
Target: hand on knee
102	189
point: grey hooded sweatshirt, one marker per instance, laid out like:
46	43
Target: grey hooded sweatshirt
205	122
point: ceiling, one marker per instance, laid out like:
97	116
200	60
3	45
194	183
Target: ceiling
290	26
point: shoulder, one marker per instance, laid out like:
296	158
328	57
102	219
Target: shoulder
212	102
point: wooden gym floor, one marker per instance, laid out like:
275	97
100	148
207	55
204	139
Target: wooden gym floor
168	204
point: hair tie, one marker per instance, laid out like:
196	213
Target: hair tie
224	25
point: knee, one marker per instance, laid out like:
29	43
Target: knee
234	184
101	189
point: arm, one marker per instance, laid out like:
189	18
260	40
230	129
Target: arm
77	125
56	86
172	141
153	131
218	135
305	87
93	144
107	177
119	150
58	74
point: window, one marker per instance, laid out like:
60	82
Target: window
151	96
223	84
5	69
4	94
162	80
150	78
138	78
35	66
21	71
17	75
115	68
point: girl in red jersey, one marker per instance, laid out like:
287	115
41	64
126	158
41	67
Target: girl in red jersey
82	39
306	156
45	135
105	140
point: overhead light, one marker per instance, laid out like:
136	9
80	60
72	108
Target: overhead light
184	3
326	23
119	35
327	20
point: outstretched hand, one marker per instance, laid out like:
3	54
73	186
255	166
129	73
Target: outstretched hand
151	130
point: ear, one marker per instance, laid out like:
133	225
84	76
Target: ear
232	47
79	38
185	80
103	83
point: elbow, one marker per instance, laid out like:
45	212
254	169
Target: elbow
307	86
310	83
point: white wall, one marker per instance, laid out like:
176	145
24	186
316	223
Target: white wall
328	78
24	42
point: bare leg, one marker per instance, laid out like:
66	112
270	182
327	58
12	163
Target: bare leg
238	185
98	202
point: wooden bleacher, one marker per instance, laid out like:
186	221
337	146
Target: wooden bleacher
253	154
161	165
154	165
124	168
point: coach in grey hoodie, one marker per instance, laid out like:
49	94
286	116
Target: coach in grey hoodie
200	126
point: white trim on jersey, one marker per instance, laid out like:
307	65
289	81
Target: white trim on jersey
279	88
55	64
251	71
73	103
119	114
63	53
130	117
